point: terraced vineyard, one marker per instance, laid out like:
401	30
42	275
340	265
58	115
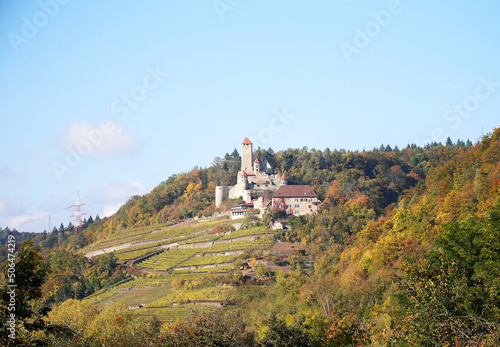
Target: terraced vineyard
210	270
264	242
171	314
104	295
179	257
168	259
202	239
215	294
128	235
247	232
183	279
163	233
135	254
173	232
209	260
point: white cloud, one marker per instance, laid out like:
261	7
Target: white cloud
111	209
105	139
121	192
28	220
9	207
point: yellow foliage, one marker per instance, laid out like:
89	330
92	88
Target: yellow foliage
252	261
389	248
366	260
73	313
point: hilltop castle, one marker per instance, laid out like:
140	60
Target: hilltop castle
254	178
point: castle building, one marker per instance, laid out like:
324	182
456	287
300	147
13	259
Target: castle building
257	184
254	178
299	200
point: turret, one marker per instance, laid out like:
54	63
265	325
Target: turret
256	166
244	179
283	180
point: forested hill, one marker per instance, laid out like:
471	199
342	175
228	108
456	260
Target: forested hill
404	250
381	175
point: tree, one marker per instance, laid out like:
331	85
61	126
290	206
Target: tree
281	335
30	274
113	325
262	270
107	262
452	294
218	328
250	217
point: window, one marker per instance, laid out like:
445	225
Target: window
297	206
310	207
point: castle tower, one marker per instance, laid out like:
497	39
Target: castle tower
283	180
221	194
246	155
256	166
244	179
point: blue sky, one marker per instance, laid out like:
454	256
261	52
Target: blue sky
111	98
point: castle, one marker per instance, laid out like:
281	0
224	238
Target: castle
254	178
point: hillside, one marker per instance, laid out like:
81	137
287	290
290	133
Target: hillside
404	250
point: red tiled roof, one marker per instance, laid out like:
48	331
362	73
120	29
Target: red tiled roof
233	211
295	192
256	161
247	204
244	174
283	177
246	141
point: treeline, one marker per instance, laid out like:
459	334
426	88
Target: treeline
20	237
382	175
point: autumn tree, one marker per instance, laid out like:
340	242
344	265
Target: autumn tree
452	294
217	328
279	334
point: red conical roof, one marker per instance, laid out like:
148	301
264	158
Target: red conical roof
246	141
283	177
256	161
244	174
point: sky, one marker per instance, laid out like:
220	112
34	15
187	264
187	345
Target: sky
109	99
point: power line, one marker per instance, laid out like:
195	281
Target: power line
49	215
44	217
102	202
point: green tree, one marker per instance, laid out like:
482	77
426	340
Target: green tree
262	270
280	335
30	274
452	294
220	328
